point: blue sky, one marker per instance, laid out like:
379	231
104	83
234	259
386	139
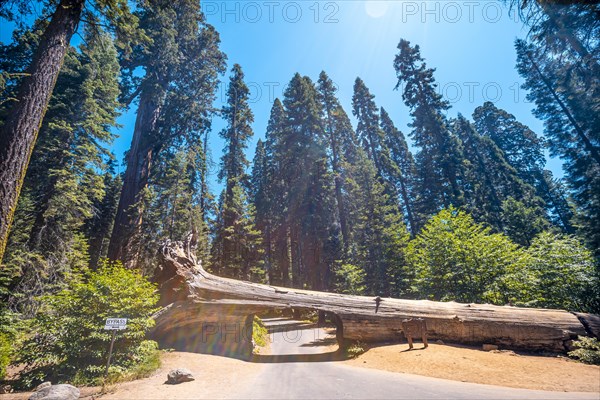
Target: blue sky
470	43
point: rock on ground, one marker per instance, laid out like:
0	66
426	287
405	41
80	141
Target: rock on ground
43	385
179	375
4	389
56	392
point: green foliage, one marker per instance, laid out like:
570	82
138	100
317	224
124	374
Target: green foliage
355	349
561	273
457	259
301	238
260	334
64	182
378	232
175	75
67	340
588	350
401	166
5	353
522	222
146	359
350	279
237	249
562	81
440	159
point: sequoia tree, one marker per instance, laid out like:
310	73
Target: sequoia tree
236	242
181	66
439	161
19	131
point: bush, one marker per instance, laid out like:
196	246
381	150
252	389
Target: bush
67	339
563	273
588	351
260	334
350	280
5	350
457	259
147	360
355	349
8	332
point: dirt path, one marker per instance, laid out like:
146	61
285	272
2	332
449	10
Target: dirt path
220	377
476	366
214	379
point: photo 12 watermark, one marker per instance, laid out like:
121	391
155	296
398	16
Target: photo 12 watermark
330	12
479	92
254	12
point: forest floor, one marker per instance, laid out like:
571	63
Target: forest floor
214	377
221	377
497	367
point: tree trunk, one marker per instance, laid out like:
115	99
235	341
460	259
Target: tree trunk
571	38
407	202
19	132
129	216
201	306
594	152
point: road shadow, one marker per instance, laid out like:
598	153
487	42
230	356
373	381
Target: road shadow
290	326
337	355
328	341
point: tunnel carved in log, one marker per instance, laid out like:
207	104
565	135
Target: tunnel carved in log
206	313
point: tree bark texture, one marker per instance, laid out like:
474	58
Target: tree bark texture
19	132
123	242
195	299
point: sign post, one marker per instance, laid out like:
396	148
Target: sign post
114	325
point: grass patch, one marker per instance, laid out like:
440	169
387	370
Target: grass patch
146	363
260	335
355	349
588	350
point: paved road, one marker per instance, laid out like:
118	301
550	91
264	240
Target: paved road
300	368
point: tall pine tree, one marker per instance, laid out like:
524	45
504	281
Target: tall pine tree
236	240
65	183
176	90
439	160
566	100
403	166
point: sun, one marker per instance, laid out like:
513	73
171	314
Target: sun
376	8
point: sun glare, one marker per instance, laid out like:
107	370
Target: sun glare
376	8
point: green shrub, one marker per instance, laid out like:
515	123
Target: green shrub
5	350
355	349
350	279
147	360
563	273
588	351
67	339
260	334
457	259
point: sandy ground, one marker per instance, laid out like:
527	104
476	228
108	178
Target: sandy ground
502	368
214	380
221	377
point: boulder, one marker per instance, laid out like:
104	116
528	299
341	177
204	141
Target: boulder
489	347
4	389
179	375
43	385
56	392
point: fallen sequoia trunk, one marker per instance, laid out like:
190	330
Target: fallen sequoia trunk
207	313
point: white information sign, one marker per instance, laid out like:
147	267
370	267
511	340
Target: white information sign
115	324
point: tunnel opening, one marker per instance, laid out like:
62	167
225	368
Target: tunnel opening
300	334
